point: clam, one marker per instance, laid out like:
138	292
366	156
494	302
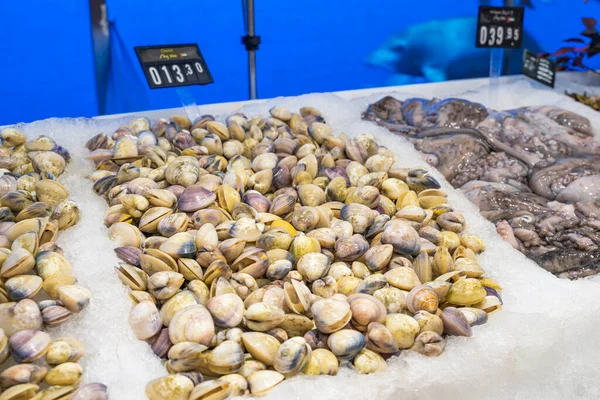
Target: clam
28	345
305	219
325	287
226	358
23	315
377	258
358	215
380	339
48	163
177	302
402	237
168	224
261	346
352	248
451	221
469	267
278	269
262	317
429	343
261	382
23	391
63	350
296	325
195	198
475	316
245	229
65	374
227	310
192	324
346	343
172	387
66	214
369	362
322	362
22	374
91	391
180	245
145	320
132	276
429	322
403	278
366	309
455	323
124	234
164	284
23	287
331	315
422	297
404	329
54	314
466	292
292	356
18	262
313	266
74	297
186	356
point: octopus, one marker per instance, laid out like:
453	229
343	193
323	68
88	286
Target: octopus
534	172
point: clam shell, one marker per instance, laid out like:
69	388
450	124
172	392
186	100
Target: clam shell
226	358
172	387
91	391
261	382
227	310
292	356
404	328
346	343
145	320
217	389
262	317
331	315
192	324
369	362
261	346
366	309
29	345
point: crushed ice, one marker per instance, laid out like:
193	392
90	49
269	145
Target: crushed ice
542	345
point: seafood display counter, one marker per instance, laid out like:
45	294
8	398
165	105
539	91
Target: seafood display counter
366	243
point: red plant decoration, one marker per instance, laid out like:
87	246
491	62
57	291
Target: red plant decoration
571	58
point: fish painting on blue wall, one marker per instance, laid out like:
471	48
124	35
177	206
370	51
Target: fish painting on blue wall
440	50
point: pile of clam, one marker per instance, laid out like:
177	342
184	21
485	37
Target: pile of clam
263	248
37	286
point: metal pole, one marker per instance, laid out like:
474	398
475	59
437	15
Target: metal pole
251	53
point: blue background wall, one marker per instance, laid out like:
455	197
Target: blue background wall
308	46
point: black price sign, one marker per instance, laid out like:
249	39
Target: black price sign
500	27
539	69
173	65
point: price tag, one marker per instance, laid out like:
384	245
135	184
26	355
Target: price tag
539	69
500	27
173	65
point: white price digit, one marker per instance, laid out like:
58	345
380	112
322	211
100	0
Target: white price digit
517	33
199	67
155	76
178	75
499	35
508	33
188	69
167	74
483	32
492	36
